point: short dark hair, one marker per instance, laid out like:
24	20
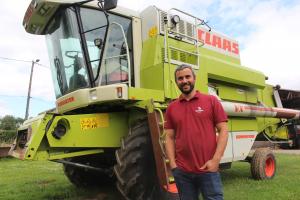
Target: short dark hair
182	67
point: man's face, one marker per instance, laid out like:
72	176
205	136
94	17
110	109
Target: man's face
185	81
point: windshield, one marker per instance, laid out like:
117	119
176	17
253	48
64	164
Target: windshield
115	65
67	60
66	57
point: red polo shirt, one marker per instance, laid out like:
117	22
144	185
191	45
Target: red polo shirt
194	123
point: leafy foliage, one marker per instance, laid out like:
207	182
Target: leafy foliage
9	122
7	136
8	128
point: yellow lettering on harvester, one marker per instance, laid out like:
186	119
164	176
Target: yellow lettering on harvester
100	121
152	31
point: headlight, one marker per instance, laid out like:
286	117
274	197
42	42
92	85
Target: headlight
175	19
61	128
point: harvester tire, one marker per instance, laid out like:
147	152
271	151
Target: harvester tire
263	164
85	178
135	169
297	142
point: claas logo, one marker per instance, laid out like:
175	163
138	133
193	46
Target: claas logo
218	41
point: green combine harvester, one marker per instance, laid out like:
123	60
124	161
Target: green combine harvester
113	74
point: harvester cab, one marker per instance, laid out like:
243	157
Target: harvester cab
87	53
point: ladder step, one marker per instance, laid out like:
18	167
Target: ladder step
171	179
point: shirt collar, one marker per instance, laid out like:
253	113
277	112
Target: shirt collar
196	96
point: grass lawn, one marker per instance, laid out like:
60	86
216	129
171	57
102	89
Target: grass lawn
41	180
25	180
238	183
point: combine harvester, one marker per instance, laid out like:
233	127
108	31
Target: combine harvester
113	75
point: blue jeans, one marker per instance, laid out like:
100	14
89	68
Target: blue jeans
191	185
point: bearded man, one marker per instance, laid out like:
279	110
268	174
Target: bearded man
192	147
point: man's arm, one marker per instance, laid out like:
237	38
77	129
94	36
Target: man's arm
213	164
170	147
222	140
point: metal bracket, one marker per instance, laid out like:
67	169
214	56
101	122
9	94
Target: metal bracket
80	165
156	122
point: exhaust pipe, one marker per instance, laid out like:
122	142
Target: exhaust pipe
248	110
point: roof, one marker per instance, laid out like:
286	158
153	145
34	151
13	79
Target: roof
40	12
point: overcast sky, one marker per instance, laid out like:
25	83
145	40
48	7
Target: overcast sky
267	31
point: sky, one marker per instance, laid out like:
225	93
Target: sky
267	31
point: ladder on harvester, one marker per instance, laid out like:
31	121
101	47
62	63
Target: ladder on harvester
186	31
156	125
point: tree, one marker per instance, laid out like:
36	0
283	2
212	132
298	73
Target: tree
8	128
9	122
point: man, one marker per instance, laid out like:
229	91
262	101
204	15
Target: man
193	150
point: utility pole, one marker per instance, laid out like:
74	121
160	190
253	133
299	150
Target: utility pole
29	88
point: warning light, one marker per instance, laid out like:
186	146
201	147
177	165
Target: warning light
119	92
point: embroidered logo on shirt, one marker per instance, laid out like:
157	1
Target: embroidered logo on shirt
199	110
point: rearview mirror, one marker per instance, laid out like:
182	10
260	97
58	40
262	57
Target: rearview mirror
110	4
98	42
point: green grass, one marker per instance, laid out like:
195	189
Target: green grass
238	183
25	180
39	180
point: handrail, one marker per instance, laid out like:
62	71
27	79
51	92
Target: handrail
163	135
127	50
195	38
201	20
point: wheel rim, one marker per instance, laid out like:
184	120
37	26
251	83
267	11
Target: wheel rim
270	167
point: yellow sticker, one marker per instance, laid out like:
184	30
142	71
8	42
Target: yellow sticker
152	32
101	121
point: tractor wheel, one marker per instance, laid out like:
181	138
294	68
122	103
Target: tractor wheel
82	177
135	169
263	164
297	145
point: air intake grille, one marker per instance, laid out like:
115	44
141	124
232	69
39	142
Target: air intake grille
181	57
174	54
162	15
190	31
181	28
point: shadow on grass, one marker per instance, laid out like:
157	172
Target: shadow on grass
73	193
238	171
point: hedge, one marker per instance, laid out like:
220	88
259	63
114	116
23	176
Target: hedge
7	136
